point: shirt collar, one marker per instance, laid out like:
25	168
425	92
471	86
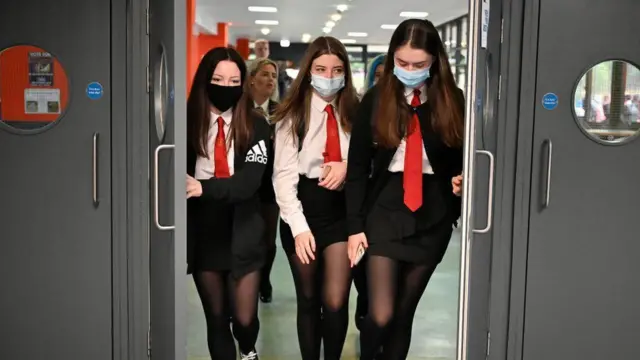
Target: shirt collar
264	106
409	91
319	104
226	116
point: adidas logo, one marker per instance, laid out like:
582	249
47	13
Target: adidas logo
258	153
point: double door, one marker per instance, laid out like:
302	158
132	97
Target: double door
578	255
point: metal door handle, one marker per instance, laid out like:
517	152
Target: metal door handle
156	210
547	189
492	162
94	170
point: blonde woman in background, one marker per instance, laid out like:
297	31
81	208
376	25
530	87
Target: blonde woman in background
262	84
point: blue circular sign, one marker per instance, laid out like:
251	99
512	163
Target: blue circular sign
550	101
94	91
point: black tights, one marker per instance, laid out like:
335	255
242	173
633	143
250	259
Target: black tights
218	291
270	213
323	286
393	298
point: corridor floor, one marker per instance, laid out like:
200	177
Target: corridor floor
434	328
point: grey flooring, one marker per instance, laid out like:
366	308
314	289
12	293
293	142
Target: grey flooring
434	329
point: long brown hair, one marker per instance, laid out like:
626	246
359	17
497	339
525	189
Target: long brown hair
296	104
199	106
393	114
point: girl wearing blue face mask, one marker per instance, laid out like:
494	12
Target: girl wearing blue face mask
311	146
406	151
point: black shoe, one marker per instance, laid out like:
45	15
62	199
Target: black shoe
266	293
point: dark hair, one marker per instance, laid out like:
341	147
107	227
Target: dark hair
199	106
296	104
444	96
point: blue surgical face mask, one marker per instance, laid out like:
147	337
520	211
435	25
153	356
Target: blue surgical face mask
327	86
411	78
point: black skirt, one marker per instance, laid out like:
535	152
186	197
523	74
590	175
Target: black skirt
396	232
212	224
325	211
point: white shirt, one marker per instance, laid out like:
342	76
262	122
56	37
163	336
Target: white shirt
289	164
205	168
264	106
397	162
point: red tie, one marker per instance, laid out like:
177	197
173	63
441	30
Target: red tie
220	162
413	160
332	148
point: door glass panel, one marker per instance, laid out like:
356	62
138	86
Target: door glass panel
34	88
612	114
160	91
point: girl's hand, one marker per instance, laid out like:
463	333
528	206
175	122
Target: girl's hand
456	182
305	247
354	242
337	173
194	188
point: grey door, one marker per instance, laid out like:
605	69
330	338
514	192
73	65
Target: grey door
582	288
55	187
167	259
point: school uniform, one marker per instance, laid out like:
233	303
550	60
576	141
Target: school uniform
267	194
224	224
304	205
375	191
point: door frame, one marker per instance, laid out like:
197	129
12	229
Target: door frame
132	341
516	125
120	187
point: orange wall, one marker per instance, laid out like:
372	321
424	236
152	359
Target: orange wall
199	44
242	45
14	79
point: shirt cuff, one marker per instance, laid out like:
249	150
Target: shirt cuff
298	224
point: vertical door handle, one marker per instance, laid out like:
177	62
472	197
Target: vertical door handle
492	164
547	189
94	170
156	205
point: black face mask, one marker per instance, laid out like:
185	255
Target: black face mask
223	97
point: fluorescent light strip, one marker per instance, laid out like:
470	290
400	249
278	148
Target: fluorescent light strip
357	34
263	9
267	22
388	27
348	41
414	14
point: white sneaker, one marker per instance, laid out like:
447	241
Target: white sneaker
253	355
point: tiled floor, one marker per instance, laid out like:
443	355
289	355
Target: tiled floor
434	331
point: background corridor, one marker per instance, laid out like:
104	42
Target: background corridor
434	329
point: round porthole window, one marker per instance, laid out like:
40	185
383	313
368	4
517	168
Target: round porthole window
34	89
607	102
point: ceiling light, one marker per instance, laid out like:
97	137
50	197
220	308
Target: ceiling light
342	7
357	34
336	17
348	41
330	24
267	22
265	31
414	14
264	9
388	27
326	30
285	43
306	37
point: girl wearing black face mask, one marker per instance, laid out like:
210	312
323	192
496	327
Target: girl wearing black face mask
226	159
